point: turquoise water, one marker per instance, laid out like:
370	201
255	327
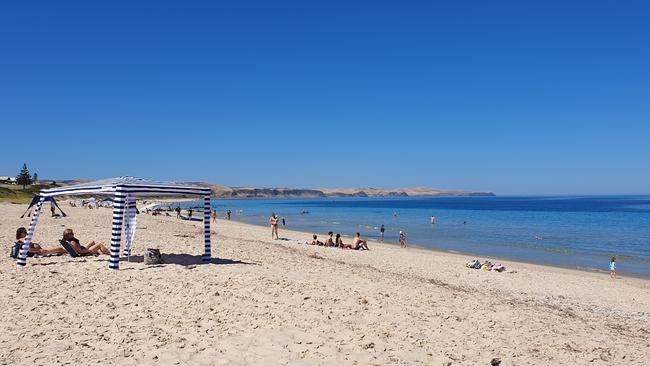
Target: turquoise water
578	232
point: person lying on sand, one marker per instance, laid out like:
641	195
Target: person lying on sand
316	241
35	249
90	248
330	241
358	243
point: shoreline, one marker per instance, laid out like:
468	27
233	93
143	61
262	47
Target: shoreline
470	255
525	230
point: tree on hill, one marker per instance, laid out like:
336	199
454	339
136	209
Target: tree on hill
24	178
35	178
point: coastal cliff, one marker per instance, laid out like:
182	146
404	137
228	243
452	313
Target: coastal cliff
283	192
271	192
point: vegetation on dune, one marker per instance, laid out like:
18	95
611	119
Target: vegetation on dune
15	194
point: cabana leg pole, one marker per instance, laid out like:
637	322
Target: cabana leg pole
134	226
130	225
207	209
116	229
127	225
22	258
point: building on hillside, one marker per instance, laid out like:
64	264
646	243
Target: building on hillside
7	180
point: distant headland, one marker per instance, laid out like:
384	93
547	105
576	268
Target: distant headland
266	192
270	192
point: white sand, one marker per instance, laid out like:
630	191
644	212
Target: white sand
271	302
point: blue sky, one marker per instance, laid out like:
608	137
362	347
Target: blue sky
511	97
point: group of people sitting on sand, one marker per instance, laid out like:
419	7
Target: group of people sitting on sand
356	244
486	266
69	245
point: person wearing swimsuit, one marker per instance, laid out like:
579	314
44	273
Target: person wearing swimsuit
274	226
90	248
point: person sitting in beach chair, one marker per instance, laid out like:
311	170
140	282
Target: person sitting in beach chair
358	243
75	249
34	249
316	241
330	241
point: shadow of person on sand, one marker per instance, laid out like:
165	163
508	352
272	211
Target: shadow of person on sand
185	259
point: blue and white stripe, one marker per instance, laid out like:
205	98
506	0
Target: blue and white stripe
22	258
136	186
207	209
131	224
125	190
116	228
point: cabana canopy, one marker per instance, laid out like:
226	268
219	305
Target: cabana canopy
36	200
124	191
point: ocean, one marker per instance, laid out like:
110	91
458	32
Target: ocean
575	232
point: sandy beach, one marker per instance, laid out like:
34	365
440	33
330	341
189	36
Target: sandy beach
268	302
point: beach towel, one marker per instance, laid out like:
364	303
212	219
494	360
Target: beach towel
498	268
191	218
475	264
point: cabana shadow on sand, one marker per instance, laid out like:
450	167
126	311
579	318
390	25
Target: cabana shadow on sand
124	190
183	259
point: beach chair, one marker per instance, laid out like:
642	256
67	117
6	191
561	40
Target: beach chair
15	250
73	253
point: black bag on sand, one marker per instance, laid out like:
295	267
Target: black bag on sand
152	256
15	250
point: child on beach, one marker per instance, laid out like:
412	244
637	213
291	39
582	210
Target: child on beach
402	239
612	268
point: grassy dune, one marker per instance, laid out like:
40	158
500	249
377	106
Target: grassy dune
16	194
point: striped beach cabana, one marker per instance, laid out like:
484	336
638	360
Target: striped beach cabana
124	190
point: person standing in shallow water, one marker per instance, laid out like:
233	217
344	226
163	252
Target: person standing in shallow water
274	225
382	229
402	239
612	268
